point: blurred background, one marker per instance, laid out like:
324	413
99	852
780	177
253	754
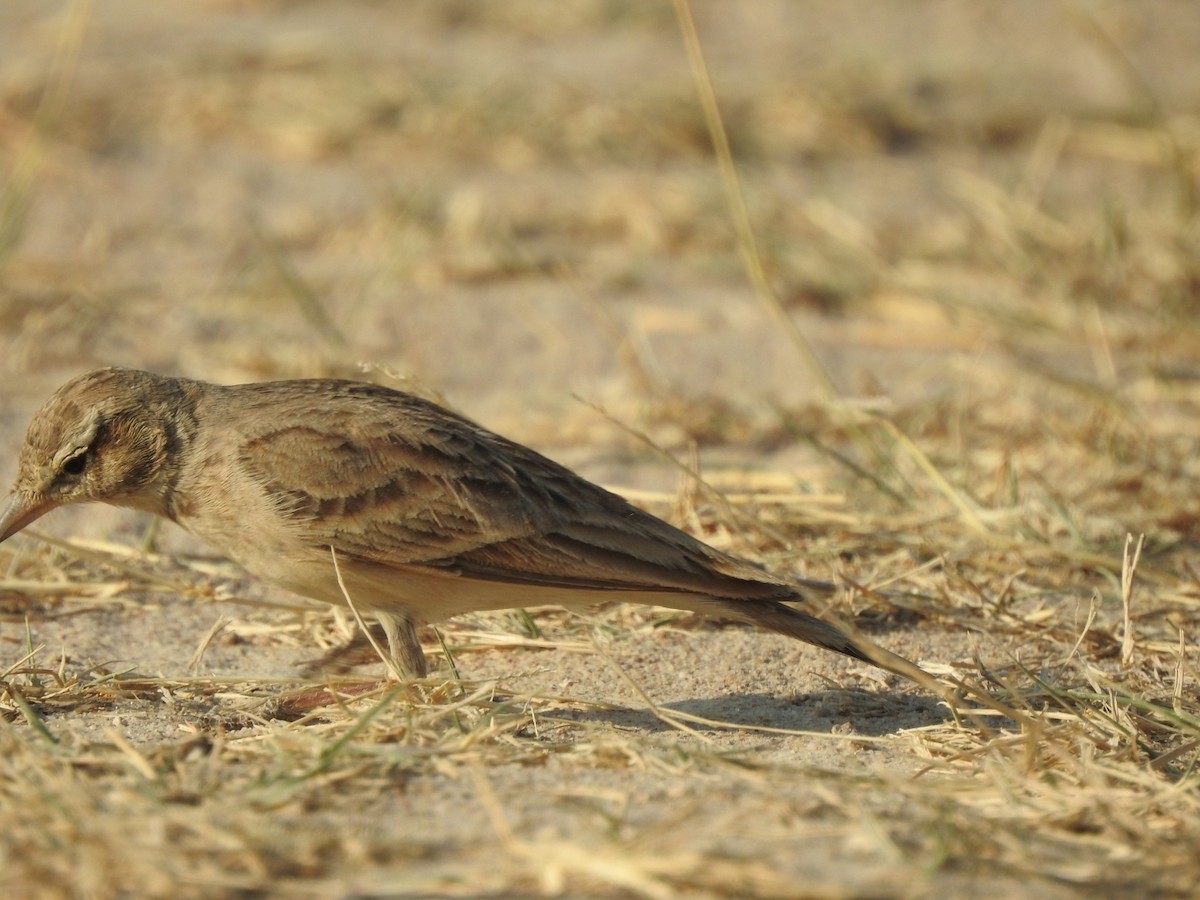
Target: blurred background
980	215
510	204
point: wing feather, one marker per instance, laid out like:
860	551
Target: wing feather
402	482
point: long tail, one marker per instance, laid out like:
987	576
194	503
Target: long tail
780	617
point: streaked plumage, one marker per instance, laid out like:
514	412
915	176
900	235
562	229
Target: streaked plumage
429	514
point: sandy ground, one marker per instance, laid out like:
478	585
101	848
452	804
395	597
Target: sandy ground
517	207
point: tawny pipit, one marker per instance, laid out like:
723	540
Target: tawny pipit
427	514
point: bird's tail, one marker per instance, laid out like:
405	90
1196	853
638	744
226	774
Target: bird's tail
779	617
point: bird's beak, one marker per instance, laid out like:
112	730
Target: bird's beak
19	510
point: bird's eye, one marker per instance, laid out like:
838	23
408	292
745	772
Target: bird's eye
76	464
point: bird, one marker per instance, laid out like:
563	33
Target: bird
337	489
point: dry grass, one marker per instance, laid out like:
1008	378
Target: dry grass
1003	288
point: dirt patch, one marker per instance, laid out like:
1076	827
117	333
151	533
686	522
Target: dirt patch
980	216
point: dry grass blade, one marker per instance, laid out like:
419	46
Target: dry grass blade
747	243
307	300
384	656
1182	158
965	508
1129	564
16	196
198	657
982	239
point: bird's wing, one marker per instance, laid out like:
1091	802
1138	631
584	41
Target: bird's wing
405	483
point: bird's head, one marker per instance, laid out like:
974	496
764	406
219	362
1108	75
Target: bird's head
105	436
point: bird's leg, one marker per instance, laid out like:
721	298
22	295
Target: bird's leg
404	646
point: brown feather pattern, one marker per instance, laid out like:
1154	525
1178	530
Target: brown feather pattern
428	513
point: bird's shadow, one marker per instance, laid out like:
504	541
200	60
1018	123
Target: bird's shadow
852	711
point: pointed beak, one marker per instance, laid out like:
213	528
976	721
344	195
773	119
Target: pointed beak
19	510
